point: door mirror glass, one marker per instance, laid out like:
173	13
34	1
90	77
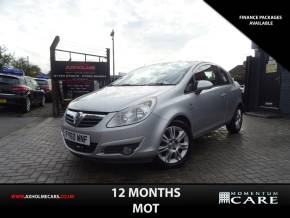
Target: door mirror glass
203	85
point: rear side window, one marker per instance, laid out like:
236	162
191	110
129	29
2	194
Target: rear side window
8	80
34	84
28	82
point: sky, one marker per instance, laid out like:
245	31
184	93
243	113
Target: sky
146	31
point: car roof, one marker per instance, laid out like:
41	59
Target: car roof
10	75
40	79
29	77
193	63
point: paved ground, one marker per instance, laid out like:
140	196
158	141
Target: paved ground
261	153
36	111
12	119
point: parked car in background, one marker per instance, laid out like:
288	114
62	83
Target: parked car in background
20	91
154	112
45	85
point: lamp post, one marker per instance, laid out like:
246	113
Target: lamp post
112	35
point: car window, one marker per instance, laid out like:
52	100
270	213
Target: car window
8	80
209	73
29	83
156	74
26	80
21	81
190	85
34	84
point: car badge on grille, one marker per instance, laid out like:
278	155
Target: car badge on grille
77	118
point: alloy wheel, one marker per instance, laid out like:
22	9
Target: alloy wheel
43	101
174	145
28	104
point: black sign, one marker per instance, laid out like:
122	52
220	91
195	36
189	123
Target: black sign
152	199
73	88
81	70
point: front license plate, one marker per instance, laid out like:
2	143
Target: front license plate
3	101
77	137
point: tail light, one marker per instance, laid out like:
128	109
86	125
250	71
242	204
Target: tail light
20	89
46	88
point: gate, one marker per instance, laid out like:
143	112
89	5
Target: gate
262	83
71	79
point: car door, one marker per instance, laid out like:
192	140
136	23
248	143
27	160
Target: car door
37	91
226	84
209	105
231	94
30	85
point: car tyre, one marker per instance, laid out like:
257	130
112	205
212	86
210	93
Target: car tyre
83	158
77	155
27	105
235	125
176	145
42	103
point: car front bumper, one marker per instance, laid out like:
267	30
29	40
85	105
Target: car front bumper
145	136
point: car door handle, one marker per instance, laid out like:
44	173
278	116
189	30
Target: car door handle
223	94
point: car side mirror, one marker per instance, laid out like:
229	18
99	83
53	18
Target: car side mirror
203	85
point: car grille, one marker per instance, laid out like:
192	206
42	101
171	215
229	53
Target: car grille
81	148
86	120
89	121
69	119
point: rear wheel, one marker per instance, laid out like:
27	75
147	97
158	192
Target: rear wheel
175	146
27	105
235	125
42	103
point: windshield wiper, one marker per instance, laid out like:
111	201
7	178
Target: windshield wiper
148	84
125	84
159	84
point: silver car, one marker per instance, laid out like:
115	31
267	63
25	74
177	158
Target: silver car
153	112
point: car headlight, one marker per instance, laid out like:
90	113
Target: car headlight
132	114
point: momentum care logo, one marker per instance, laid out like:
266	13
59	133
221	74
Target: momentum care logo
248	198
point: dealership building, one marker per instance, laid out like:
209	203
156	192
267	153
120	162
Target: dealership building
267	84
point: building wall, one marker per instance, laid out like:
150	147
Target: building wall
285	91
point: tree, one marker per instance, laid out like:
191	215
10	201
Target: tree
32	70
21	63
5	58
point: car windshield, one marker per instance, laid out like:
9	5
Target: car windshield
155	75
8	80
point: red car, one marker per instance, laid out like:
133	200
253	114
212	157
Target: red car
45	85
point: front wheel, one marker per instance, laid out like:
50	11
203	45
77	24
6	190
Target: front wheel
175	146
235	125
